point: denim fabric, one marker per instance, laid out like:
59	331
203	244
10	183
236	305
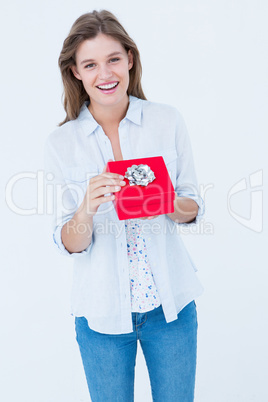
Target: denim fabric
169	350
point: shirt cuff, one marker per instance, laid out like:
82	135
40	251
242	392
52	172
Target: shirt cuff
201	208
60	246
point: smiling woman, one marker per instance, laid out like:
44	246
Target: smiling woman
93	27
132	281
104	77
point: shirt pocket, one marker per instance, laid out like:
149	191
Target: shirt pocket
80	174
76	181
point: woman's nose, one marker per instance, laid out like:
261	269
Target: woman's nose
104	72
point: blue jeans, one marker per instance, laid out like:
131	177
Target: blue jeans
169	351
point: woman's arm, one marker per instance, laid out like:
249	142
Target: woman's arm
76	234
185	210
188	204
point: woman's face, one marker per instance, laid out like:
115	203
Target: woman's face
103	61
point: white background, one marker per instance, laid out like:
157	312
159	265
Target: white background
209	59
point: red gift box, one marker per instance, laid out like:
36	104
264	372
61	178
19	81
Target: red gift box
137	201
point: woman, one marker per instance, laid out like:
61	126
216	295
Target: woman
133	279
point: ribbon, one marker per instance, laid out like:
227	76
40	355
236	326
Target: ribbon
139	175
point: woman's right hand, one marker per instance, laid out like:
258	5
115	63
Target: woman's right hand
98	186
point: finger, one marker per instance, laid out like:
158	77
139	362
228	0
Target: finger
108	175
100	191
108	179
95	203
102	200
149	217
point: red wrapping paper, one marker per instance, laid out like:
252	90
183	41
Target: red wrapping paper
137	201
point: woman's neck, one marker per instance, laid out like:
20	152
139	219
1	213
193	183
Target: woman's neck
109	115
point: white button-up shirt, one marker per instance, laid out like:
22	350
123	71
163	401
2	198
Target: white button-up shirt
79	150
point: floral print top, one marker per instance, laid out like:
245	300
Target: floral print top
144	294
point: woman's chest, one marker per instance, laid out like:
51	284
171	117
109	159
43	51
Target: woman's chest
89	157
112	135
116	147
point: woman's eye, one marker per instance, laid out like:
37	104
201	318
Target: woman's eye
114	60
89	65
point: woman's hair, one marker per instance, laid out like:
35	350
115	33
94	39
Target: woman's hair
88	26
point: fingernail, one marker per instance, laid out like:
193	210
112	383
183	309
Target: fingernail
117	188
122	183
121	177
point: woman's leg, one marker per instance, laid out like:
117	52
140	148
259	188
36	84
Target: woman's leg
109	363
170	354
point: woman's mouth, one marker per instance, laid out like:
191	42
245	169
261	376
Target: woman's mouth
108	88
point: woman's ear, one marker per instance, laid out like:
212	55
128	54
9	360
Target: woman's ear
75	72
130	59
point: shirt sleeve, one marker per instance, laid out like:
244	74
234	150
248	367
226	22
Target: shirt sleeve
61	200
186	180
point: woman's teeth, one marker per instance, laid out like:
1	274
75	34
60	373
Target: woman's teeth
108	86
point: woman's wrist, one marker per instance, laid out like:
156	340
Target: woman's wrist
185	210
83	214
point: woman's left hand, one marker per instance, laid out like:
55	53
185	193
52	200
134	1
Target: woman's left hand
149	217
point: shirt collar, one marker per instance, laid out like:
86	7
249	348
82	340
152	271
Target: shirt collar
89	124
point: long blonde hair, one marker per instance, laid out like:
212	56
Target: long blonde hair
88	26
